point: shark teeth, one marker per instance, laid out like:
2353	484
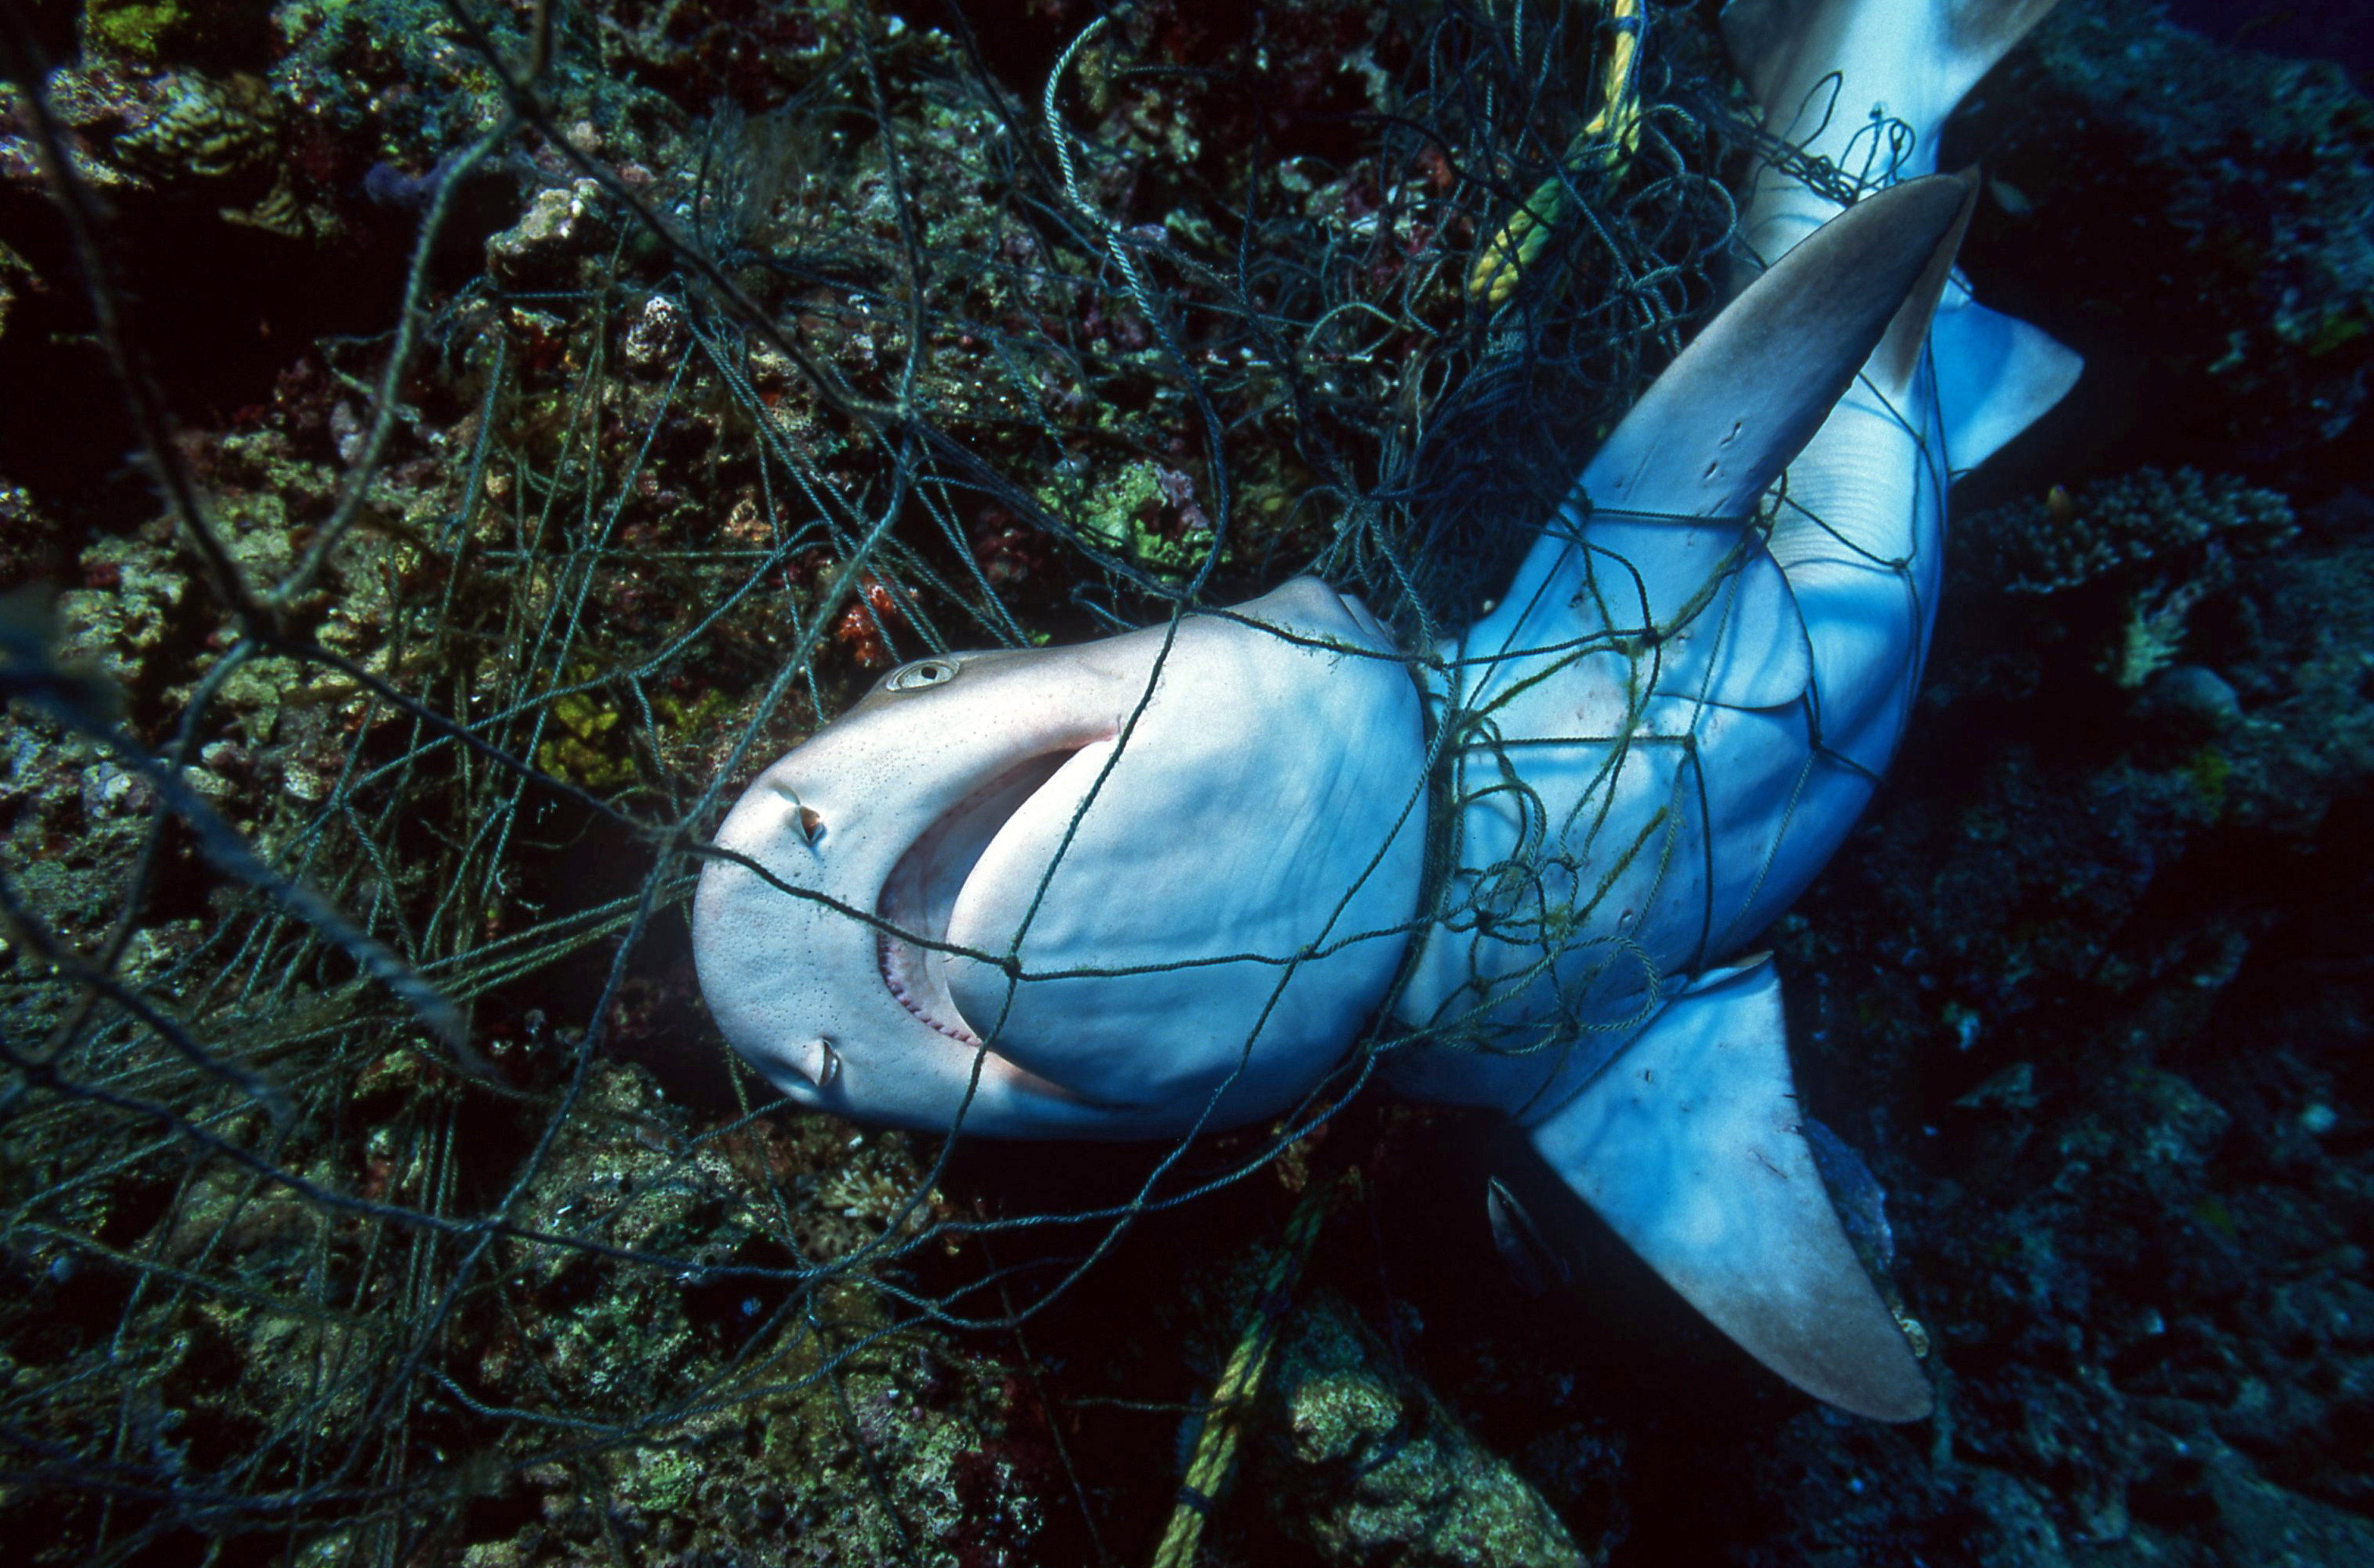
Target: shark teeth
921	890
900	960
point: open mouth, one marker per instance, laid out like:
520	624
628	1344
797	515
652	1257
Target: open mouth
922	887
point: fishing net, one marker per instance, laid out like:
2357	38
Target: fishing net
376	1187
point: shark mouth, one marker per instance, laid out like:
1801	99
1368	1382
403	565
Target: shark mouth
921	892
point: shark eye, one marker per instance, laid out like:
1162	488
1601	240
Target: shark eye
923	672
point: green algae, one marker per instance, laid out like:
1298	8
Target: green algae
2210	770
1124	515
144	29
1367	1466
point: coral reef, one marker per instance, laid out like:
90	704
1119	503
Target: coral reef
2095	983
1365	1465
2196	219
2164	541
2181	520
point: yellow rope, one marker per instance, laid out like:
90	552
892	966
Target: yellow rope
1613	134
1232	1397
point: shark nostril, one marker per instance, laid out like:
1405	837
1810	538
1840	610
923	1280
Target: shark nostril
805	817
819	1061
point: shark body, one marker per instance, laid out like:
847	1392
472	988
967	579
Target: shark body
1160	882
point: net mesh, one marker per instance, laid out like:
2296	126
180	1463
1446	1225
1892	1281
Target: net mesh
341	1192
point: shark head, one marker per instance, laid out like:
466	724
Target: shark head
1120	888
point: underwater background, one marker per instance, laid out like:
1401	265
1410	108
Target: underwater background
447	449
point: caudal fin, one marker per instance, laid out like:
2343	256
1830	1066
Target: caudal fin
1915	57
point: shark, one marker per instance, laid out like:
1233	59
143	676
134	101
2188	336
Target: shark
1168	882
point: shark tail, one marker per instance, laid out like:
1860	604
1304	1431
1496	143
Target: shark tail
1691	1146
1926	54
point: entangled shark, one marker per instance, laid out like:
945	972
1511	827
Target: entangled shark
1162	883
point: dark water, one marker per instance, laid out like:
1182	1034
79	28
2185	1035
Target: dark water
2338	31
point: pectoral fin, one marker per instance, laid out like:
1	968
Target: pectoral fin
1715	430
1690	1145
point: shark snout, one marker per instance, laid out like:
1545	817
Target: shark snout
1125	887
821	928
